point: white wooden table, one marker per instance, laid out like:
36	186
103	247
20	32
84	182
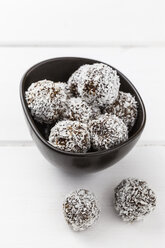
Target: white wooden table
130	36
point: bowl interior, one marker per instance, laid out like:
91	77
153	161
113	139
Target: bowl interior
60	69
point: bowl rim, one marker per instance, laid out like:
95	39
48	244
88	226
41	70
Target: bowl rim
88	154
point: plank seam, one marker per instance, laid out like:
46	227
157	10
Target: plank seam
82	44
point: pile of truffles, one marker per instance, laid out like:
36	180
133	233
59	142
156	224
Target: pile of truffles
133	200
89	113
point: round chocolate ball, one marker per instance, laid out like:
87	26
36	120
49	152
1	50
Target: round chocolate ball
70	136
97	83
46	100
107	131
134	199
78	110
125	107
81	209
72	84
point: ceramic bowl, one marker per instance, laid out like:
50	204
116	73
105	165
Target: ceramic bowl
60	69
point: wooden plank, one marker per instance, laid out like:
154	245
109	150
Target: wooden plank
66	22
144	66
32	193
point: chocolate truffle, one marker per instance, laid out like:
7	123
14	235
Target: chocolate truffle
134	199
125	107
46	100
107	131
71	136
97	83
81	209
78	110
72	84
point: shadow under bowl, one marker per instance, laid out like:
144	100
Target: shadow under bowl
60	69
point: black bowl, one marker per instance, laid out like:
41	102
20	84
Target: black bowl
59	69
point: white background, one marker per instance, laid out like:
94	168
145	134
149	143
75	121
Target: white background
129	35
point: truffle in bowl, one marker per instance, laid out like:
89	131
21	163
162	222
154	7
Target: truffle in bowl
60	70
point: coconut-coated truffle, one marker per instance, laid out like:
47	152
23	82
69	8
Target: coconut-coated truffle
78	110
71	136
134	199
107	131
125	107
72	84
81	209
46	100
97	83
